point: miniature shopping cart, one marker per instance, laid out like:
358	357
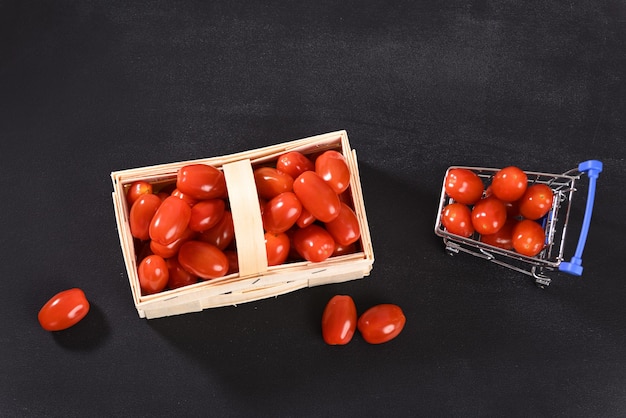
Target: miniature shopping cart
555	224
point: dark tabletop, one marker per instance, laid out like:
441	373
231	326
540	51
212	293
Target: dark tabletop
87	88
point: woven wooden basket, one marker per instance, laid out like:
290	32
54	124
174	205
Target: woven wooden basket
255	280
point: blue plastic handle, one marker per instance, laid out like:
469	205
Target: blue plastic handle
593	168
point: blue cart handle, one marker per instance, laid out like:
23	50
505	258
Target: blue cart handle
593	168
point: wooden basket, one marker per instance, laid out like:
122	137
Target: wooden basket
255	280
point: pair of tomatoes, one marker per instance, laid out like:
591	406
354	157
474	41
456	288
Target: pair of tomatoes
377	325
505	214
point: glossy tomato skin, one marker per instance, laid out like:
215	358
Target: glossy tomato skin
281	212
136	189
509	184
178	276
339	320
332	167
305	218
201	181
233	261
222	234
63	310
170	221
270	182
345	227
191	201
277	246
313	243
488	215
464	186
344	249
294	163
457	219
503	238
536	201
381	323
153	274
528	238
171	249
141	214
206	214
203	259
317	196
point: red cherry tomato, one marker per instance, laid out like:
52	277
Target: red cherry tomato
464	186
332	167
191	201
141	214
222	234
509	184
206	214
345	227
536	201
153	274
63	310
201	181
528	238
171	249
344	249
503	238
294	163
137	189
381	323
457	219
488	215
313	243
281	213
270	182
277	247
233	261
305	218
178	276
202	259
170	221
339	320
317	196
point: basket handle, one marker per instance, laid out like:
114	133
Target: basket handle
593	168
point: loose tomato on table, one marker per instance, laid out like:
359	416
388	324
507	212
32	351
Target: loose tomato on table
270	182
141	214
332	167
63	310
203	259
345	227
317	196
281	212
313	243
463	185
201	181
153	274
457	219
381	323
509	184
294	163
339	320
170	220
528	238
488	215
536	201
277	246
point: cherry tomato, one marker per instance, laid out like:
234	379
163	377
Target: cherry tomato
153	274
170	250
488	215
464	186
339	320
281	213
344	249
457	219
503	238
528	238
536	201
206	214
222	234
202	259
317	196
170	221
509	184
313	243
178	276
201	181
305	218
270	182
381	323
191	201
136	189
345	227
63	310
233	261
141	214
294	163
277	248
332	167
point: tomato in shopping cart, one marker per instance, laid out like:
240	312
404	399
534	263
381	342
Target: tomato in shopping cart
488	215
536	202
528	238
509	184
457	219
463	185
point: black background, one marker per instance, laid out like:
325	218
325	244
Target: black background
90	87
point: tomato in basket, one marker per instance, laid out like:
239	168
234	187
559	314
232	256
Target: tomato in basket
153	274
277	247
294	163
201	181
281	213
170	220
137	189
331	166
339	320
203	259
206	214
141	214
313	243
317	196
270	182
345	227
